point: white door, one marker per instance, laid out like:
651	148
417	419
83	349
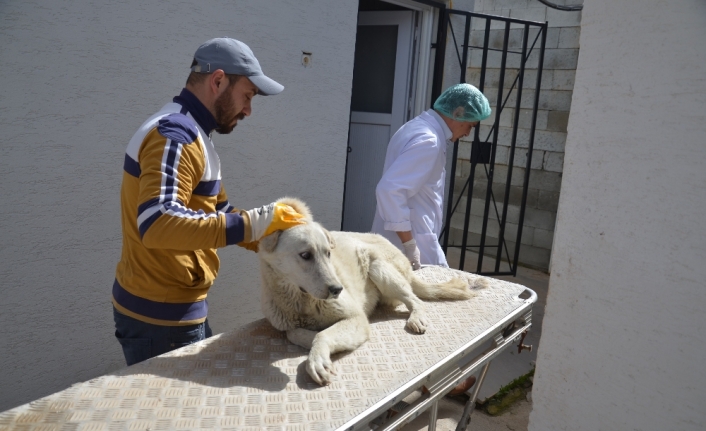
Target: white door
378	107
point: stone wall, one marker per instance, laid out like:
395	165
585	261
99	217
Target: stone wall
557	83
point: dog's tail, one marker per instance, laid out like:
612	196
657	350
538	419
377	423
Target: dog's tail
456	288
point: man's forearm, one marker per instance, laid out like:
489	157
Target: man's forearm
405	235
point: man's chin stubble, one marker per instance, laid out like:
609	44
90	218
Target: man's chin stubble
224	130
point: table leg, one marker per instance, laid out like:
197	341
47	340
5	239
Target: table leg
471	404
433	411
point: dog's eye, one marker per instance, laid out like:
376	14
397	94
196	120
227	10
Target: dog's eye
305	255
328	254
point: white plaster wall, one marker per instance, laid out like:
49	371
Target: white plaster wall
78	77
623	335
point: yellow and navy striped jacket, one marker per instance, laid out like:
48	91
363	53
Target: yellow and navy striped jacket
175	213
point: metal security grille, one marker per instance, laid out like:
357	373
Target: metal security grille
489	178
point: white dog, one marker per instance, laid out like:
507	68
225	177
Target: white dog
321	286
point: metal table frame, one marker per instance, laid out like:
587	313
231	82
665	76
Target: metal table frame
444	376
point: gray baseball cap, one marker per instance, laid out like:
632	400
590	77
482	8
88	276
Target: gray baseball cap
234	58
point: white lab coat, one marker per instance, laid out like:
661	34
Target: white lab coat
410	194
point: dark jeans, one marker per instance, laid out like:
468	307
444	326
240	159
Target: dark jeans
142	340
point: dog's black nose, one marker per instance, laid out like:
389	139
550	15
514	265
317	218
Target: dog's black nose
335	290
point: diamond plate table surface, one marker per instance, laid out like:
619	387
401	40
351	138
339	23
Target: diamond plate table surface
254	378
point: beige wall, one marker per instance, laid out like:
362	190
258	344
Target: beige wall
623	334
78	78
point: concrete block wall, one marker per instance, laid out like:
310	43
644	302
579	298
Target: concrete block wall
546	165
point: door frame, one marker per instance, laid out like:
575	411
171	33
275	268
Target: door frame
429	14
402	77
370	132
422	60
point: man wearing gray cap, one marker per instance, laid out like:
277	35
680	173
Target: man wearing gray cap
175	211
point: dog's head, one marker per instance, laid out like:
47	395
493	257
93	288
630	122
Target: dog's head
302	254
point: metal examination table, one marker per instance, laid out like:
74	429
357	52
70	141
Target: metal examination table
254	379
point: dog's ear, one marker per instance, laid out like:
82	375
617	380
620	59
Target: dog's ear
331	241
299	206
269	242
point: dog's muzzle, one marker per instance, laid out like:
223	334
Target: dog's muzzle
335	290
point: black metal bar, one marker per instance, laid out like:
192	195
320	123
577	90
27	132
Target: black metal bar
440	54
511	157
452	180
453	36
491	129
530	147
492	195
464	62
449	210
473	247
443	229
476	135
496	17
493	148
495	49
502	247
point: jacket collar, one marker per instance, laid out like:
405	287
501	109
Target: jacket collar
447	132
201	114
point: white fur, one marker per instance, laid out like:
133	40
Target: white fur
302	264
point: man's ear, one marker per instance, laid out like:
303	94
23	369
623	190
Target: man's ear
269	243
217	82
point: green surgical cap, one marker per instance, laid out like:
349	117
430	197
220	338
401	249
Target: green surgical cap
463	102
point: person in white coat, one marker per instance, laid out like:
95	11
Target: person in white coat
410	194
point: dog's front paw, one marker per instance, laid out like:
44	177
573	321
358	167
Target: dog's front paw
417	322
320	367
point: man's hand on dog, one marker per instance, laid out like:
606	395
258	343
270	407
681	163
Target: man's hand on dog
412	252
269	218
